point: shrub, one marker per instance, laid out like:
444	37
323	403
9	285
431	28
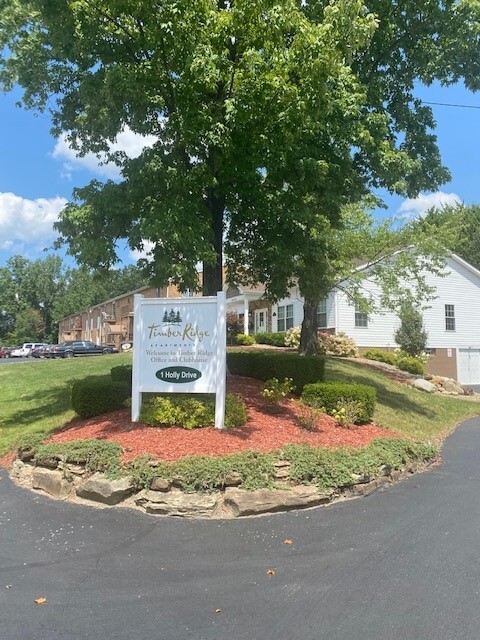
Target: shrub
337	345
275	391
411	335
309	416
400	359
244	340
328	394
388	357
292	337
95	395
348	412
272	339
411	364
234	326
263	366
122	373
191	412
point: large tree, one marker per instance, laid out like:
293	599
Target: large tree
265	117
234	96
462	223
393	146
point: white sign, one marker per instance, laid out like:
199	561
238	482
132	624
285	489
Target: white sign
179	345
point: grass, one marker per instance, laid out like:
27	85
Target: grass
407	411
35	398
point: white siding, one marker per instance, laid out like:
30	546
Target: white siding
461	288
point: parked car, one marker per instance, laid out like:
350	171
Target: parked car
39	351
72	348
25	350
5	352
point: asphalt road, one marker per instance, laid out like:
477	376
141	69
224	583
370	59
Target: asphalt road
402	563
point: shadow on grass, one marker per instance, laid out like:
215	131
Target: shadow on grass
51	403
387	396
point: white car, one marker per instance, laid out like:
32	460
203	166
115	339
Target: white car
25	350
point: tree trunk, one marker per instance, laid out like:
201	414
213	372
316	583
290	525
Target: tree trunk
213	273
308	336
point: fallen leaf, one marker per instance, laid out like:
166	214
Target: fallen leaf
270	572
40	600
288	541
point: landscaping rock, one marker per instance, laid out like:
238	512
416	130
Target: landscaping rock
178	503
100	489
247	503
160	484
52	482
21	472
424	385
452	386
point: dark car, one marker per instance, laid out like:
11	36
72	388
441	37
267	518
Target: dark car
72	348
5	351
39	351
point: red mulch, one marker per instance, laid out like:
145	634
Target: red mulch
264	431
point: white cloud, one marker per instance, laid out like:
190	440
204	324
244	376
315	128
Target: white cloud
418	207
145	254
127	141
24	221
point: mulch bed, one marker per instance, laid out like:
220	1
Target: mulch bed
263	431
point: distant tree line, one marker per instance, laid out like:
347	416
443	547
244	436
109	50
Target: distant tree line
36	294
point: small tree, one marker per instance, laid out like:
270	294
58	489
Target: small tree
411	335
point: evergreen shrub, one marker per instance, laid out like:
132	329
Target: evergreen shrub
244	340
331	395
122	373
272	339
95	395
263	366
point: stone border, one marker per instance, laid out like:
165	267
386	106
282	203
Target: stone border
68	482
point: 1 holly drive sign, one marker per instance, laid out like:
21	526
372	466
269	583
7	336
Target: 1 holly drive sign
179	345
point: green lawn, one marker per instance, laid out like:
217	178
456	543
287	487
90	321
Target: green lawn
407	411
35	398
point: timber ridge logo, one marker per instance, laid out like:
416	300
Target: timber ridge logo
172	318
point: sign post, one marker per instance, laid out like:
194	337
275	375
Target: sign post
179	347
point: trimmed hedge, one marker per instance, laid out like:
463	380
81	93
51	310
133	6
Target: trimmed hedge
328	394
273	339
95	395
263	366
122	373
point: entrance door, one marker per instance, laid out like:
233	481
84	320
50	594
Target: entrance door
260	320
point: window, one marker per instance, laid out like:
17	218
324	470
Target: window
430	352
361	318
322	315
449	317
285	317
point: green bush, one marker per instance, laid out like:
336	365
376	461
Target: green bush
411	364
95	395
263	366
379	355
244	340
122	373
331	395
191	412
272	339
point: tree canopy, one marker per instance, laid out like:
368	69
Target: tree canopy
265	118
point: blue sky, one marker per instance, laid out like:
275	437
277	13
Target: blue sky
38	173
